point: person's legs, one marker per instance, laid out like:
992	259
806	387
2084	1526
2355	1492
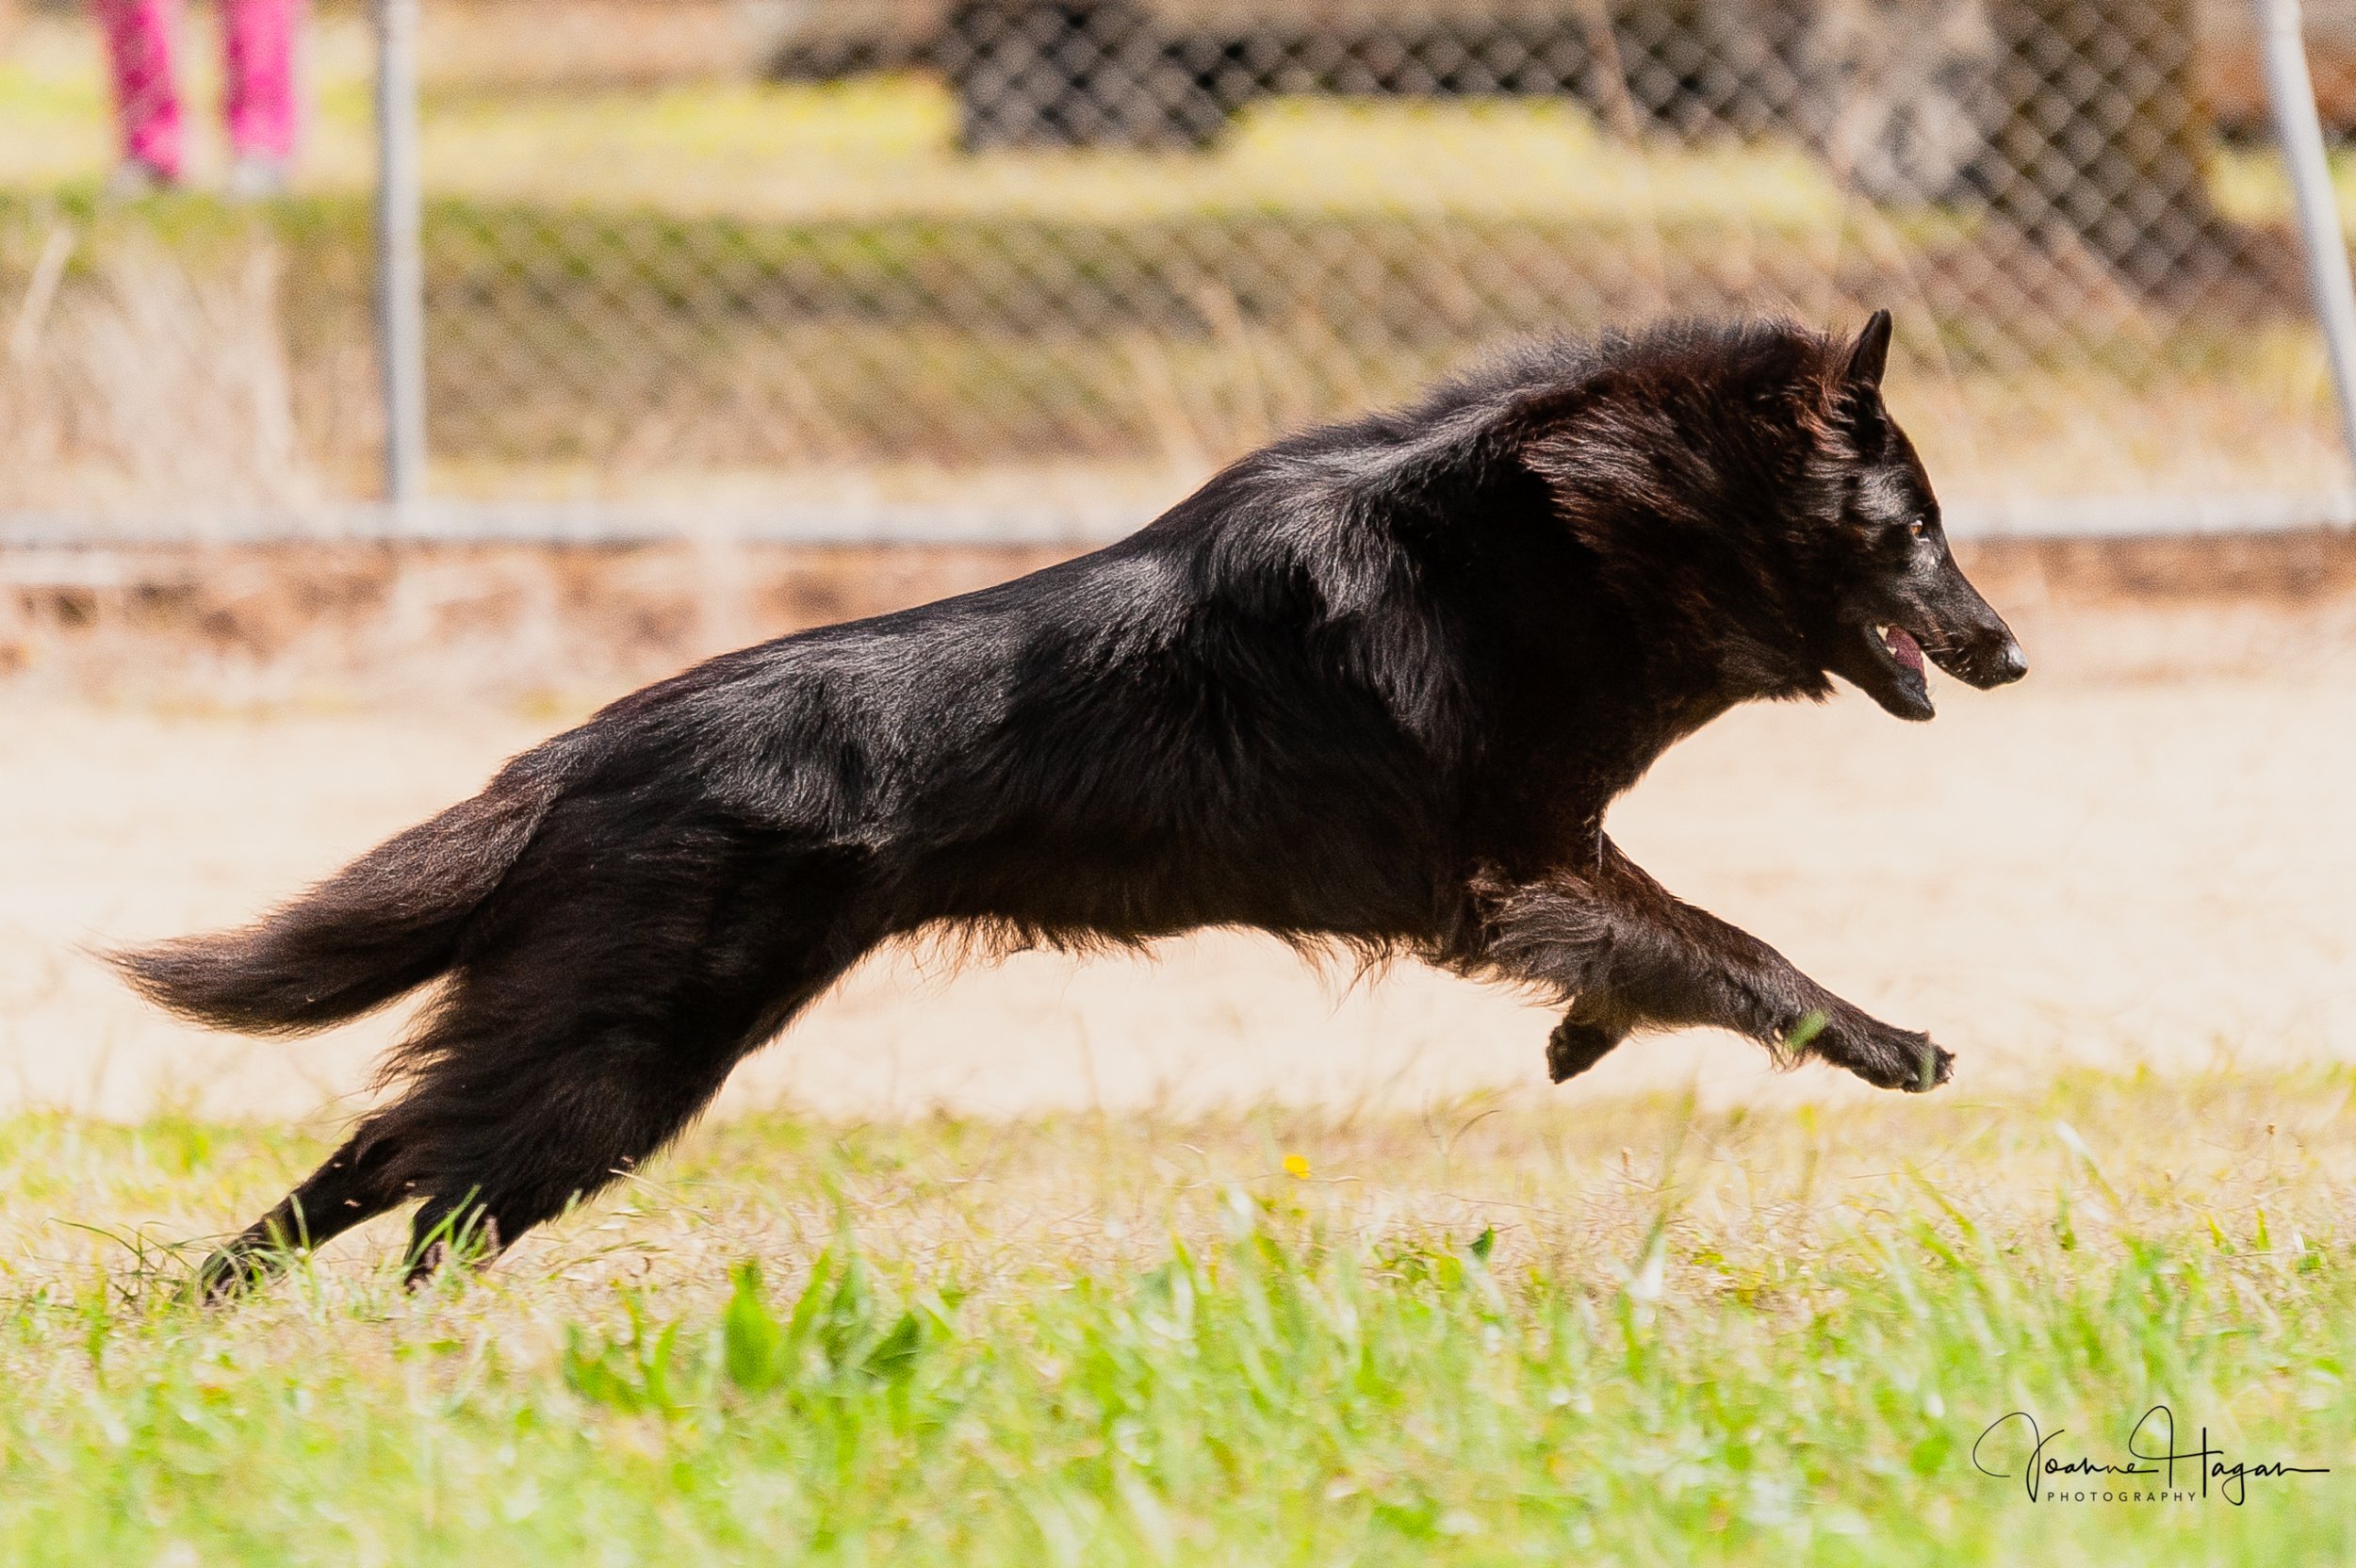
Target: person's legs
147	103
258	38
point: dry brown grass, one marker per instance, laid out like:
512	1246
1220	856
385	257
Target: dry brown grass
133	383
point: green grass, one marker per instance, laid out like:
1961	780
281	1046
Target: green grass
1614	1332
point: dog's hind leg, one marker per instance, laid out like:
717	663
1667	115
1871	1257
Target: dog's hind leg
496	1153
352	1186
599	1000
1625	954
592	1023
537	1142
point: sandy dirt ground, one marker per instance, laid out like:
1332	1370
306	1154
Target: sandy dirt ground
2145	853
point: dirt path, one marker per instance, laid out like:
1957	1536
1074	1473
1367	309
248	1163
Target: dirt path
2146	853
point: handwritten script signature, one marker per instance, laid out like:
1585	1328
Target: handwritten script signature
2148	1455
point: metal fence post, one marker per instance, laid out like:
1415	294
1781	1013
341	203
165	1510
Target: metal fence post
2291	91
399	268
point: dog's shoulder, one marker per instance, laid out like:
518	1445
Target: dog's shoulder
1449	457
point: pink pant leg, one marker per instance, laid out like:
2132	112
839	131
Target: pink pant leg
258	38
147	103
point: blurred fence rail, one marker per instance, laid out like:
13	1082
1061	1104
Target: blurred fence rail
916	268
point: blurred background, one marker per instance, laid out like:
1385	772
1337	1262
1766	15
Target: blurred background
1057	259
745	315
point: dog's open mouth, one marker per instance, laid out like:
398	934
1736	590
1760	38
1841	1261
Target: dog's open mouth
1900	644
1905	686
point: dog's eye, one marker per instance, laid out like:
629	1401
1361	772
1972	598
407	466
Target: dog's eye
1920	528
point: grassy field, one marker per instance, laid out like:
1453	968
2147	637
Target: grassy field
1622	1332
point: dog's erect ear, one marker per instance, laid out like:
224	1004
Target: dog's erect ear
1872	354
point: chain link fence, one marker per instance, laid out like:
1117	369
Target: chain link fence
1058	260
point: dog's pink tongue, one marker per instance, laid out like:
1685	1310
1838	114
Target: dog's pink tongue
1903	648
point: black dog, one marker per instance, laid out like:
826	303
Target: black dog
1372	687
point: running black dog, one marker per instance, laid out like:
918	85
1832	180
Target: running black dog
1371	687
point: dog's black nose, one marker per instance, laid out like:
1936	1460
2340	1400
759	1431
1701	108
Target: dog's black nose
2008	665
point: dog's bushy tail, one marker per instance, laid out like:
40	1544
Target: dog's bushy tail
385	925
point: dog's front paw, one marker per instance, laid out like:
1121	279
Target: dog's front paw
1574	1047
1885	1056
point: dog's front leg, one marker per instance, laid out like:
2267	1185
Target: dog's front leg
1625	954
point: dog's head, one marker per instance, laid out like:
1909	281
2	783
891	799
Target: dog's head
1891	593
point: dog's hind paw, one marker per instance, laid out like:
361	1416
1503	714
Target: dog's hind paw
231	1273
1574	1047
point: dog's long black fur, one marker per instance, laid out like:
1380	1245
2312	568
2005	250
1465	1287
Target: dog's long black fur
1373	687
